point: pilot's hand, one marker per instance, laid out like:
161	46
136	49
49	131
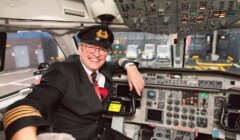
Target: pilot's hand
135	79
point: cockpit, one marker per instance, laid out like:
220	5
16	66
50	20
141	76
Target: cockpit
187	52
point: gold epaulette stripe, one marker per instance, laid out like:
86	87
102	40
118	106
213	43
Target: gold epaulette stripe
17	112
6	124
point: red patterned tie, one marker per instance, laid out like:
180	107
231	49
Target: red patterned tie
101	91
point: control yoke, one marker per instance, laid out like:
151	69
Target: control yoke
122	106
230	115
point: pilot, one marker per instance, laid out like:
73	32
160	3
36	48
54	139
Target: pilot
71	95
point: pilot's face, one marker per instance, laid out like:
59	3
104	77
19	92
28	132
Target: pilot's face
92	56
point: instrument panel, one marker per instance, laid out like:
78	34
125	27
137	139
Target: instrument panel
184	101
178	16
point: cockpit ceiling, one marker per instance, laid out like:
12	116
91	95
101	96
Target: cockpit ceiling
56	16
57	10
154	16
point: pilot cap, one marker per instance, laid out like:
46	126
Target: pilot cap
99	35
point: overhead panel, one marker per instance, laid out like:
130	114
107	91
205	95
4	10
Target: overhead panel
178	16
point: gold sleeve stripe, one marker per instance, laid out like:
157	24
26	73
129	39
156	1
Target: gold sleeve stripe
18	109
17	112
5	120
18	117
120	61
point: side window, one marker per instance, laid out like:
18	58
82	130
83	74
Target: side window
24	52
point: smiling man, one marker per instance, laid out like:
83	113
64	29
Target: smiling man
92	56
72	93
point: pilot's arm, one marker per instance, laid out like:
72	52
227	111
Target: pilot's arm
22	118
135	79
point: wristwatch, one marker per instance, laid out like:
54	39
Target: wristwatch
129	64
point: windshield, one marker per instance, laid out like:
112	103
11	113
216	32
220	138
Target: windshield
219	50
24	52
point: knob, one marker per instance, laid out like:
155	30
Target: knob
176	116
169	122
184	110
176	109
176	102
169	115
184	124
192	111
191	118
170	101
212	24
191	125
175	122
223	22
151	94
168	4
184	116
169	108
166	20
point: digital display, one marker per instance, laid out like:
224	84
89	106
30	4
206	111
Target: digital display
115	107
155	115
190	98
234	101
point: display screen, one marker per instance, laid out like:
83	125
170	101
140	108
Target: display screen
115	107
155	115
234	101
190	98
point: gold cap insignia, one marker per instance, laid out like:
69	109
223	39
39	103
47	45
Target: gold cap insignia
102	34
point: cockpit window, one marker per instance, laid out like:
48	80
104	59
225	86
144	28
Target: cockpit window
24	52
218	50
